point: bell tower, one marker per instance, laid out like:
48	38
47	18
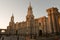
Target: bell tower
30	21
11	27
30	16
11	23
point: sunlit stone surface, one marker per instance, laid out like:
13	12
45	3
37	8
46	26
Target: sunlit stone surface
43	28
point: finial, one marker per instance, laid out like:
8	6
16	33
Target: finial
30	5
12	15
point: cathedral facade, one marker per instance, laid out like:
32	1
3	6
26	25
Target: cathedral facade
34	26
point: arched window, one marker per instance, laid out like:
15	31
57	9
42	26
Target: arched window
2	31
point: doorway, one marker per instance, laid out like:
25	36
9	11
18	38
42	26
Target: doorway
40	32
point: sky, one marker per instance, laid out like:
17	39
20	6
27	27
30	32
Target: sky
19	9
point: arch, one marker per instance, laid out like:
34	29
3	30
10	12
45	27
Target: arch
40	32
2	31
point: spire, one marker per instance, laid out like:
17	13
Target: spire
30	12
29	4
29	7
12	18
12	15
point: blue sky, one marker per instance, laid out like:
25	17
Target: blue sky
19	9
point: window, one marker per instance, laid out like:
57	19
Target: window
2	31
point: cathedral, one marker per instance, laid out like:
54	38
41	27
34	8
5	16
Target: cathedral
32	27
